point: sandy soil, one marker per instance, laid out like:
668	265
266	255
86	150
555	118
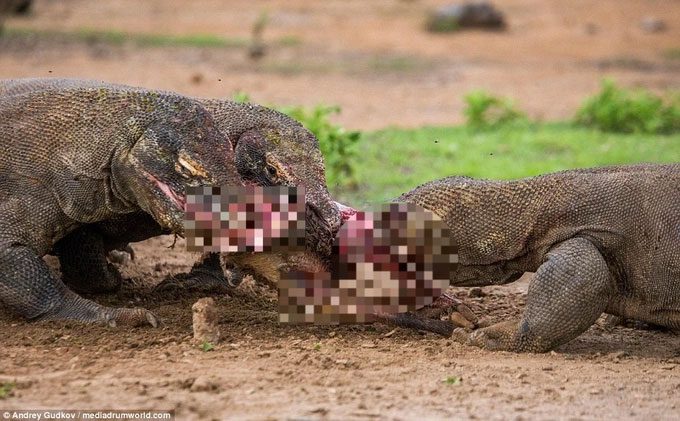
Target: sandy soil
266	370
374	60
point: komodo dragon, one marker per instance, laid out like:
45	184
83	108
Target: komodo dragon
77	154
599	240
270	149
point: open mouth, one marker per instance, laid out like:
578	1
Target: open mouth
179	201
346	212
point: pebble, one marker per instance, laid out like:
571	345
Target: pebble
619	355
205	321
652	24
204	384
390	333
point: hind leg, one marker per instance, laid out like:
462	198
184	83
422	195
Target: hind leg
567	294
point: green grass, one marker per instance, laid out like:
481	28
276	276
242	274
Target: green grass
672	53
6	389
396	64
453	380
392	161
113	37
624	110
207	346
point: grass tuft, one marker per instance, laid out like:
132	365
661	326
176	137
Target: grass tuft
114	37
392	161
616	109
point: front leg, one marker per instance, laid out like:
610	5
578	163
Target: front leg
428	318
28	289
566	296
206	276
84	267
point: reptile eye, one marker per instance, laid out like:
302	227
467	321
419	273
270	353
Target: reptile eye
182	171
272	171
187	166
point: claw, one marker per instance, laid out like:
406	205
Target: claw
427	318
130	251
110	321
460	320
134	317
461	335
408	320
197	281
169	285
153	321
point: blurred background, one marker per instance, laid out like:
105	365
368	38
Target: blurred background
398	91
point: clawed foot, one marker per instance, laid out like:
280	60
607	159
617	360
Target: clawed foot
199	280
80	309
132	317
497	337
121	256
428	318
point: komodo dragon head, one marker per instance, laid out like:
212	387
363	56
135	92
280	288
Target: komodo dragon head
183	150
274	149
290	156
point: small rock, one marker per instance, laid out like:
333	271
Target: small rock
119	257
390	333
652	24
186	383
619	355
467	15
197	78
591	28
205	321
204	384
475	292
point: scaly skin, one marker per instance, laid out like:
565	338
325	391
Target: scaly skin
81	153
270	148
599	240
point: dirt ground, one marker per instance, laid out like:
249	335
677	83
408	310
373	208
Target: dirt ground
373	59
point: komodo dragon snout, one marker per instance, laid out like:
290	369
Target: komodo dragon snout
286	156
165	160
277	151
